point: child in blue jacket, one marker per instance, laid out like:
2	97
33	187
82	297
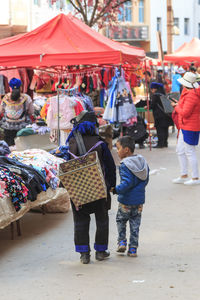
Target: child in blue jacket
134	174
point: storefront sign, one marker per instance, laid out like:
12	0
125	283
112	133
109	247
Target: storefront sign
127	33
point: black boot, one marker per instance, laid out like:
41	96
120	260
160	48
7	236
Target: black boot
101	255
85	258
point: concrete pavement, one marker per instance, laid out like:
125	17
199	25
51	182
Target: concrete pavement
42	263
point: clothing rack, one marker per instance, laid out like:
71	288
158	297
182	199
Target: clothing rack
70	92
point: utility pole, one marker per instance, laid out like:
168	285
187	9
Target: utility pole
170	23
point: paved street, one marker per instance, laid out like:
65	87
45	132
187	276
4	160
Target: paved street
42	263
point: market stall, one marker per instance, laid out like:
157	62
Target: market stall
58	48
187	53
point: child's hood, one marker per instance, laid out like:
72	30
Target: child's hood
137	165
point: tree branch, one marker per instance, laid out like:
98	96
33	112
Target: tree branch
82	12
74	6
93	13
119	4
102	12
85	6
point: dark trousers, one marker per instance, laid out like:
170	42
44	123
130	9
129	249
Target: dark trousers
82	224
9	136
162	133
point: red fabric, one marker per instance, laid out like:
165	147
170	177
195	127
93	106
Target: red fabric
175	119
188	110
186	53
94	77
88	85
78	108
105	78
65	40
134	80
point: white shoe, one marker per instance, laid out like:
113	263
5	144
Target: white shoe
192	182
180	180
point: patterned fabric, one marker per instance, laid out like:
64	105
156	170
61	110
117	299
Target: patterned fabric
83	179
42	161
16	114
12	185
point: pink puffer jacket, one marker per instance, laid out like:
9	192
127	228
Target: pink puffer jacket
188	110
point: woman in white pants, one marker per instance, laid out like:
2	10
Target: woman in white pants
188	109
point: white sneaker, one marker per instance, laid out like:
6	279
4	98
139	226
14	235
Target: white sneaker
192	182
180	180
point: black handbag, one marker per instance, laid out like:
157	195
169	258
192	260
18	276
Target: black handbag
167	108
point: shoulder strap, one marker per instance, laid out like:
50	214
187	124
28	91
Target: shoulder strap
91	149
80	143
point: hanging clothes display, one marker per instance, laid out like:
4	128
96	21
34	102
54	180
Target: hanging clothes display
2	89
66	112
120	107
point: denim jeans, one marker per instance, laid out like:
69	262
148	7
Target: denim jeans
131	213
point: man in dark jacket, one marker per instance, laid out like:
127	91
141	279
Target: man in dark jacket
85	124
162	121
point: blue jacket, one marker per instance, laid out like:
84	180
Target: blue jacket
176	86
134	174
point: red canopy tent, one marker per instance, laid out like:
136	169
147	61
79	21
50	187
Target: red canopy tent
187	53
65	40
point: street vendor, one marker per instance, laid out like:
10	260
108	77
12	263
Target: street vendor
17	109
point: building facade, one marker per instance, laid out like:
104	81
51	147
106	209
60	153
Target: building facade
139	21
133	24
186	16
19	16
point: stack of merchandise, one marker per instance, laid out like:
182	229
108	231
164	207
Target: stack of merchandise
42	161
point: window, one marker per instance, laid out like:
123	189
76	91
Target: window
50	3
125	14
199	30
60	4
159	24
141	11
186	26
176	22
37	2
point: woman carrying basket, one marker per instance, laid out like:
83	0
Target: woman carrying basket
85	125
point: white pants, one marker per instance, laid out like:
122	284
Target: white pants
187	153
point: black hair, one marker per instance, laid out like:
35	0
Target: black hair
15	94
127	141
147	73
192	69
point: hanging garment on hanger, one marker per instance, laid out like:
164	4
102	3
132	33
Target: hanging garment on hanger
124	102
78	108
33	82
120	105
87	100
94	77
110	113
2	89
65	114
24	78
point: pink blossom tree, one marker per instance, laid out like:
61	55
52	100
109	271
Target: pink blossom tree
97	12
